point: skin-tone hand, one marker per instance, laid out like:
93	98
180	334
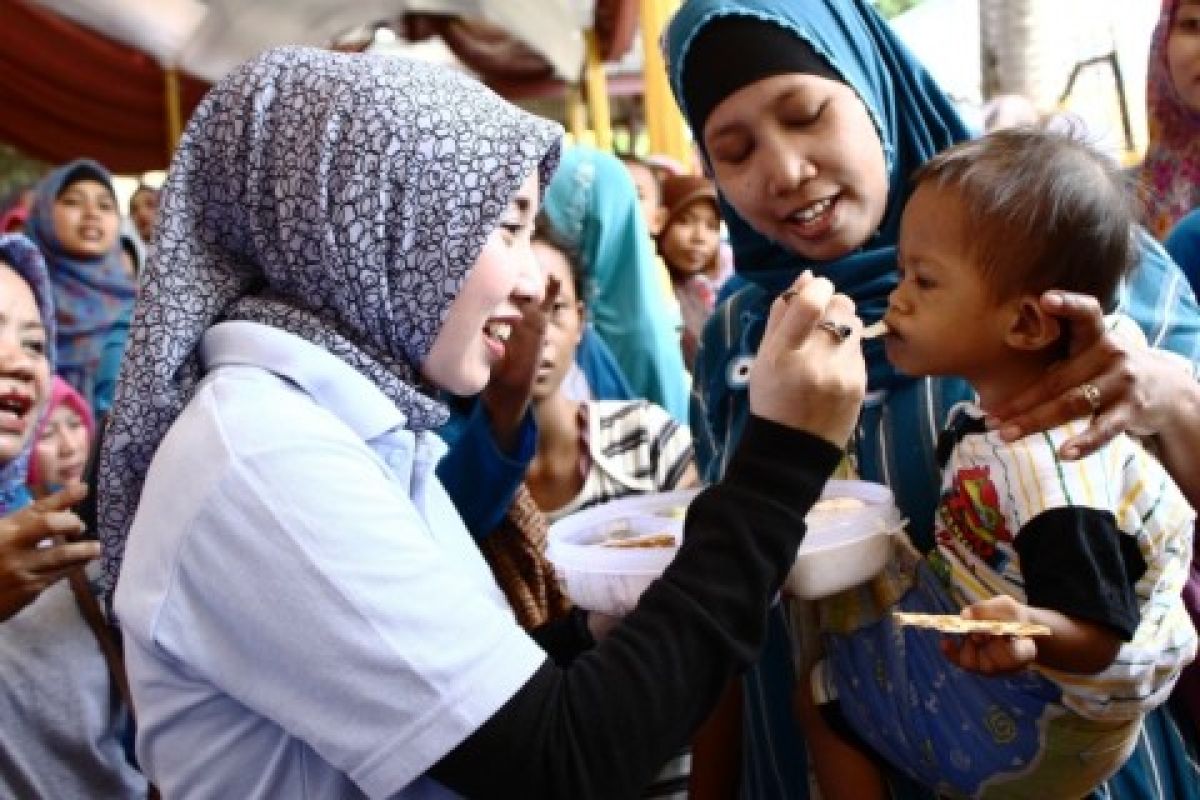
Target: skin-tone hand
1074	645
1142	390
805	377
1127	376
507	394
987	654
600	625
27	569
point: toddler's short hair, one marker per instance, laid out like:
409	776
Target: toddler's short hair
1044	209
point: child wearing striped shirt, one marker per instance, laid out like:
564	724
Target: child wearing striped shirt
592	452
1096	549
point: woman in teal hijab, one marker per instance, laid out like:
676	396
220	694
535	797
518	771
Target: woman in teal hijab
812	161
593	204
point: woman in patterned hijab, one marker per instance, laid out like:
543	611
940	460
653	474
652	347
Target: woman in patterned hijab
331	198
303	610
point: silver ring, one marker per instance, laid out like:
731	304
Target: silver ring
1091	393
840	331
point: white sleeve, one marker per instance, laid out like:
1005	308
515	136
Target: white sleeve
311	590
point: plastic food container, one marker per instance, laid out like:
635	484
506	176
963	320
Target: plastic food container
611	579
845	546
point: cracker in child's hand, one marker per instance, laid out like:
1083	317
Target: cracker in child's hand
952	623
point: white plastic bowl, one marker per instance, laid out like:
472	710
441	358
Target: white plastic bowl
611	579
840	550
848	547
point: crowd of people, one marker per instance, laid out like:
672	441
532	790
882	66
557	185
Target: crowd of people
279	453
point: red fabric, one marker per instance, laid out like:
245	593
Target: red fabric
616	22
67	92
513	69
483	47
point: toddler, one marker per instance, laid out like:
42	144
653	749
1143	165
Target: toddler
1095	549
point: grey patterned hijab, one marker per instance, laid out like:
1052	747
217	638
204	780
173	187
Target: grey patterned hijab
342	198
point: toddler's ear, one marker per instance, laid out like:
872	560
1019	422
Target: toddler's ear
1031	327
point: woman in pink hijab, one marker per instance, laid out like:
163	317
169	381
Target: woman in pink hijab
63	441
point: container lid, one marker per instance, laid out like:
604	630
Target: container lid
875	513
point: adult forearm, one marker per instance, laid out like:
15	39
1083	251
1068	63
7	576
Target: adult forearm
1178	439
603	727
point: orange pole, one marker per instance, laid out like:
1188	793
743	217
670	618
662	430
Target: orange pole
665	126
597	93
576	114
173	112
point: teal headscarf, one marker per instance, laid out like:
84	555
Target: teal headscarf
593	204
913	117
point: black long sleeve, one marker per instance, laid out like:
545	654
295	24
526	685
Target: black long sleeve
602	727
566	638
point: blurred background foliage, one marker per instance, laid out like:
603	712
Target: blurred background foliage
17	171
890	8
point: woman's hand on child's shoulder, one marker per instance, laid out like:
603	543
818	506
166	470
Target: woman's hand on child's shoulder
807	376
1124	386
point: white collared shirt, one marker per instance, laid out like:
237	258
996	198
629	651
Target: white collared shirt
305	614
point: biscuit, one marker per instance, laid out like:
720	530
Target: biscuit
645	540
952	623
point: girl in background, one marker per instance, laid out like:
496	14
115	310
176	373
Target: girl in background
143	211
63	441
590	453
75	222
690	246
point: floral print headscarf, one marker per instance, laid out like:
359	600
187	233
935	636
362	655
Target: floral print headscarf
340	197
1170	173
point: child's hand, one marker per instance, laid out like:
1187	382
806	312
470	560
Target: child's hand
29	563
988	654
508	392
